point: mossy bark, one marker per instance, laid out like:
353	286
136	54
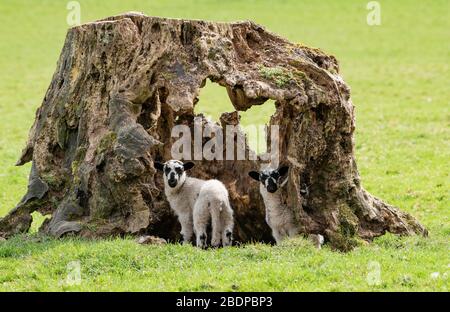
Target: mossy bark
122	83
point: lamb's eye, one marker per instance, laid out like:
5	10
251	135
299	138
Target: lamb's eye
167	170
179	170
264	177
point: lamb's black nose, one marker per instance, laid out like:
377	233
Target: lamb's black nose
271	188
172	182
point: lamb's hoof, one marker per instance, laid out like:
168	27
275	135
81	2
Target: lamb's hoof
228	238
186	242
215	244
201	242
317	240
227	243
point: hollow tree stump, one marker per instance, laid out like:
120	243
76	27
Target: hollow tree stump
120	86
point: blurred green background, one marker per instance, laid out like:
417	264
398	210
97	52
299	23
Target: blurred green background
398	73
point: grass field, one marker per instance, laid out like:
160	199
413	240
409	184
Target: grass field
399	73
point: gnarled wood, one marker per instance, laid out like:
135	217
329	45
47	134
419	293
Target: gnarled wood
122	83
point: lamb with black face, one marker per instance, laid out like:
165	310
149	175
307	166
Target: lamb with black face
271	179
279	216
196	202
174	171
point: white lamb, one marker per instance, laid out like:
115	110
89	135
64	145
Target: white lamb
213	204
197	202
279	216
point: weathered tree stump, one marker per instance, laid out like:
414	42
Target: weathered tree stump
122	83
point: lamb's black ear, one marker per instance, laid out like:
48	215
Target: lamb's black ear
158	166
254	175
283	170
188	165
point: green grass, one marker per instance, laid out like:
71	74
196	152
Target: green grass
123	265
399	75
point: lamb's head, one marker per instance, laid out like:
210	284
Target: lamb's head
271	179
174	172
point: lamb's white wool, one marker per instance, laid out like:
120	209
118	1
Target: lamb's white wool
278	215
196	202
317	240
213	204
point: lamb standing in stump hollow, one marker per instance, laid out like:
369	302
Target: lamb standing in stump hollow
278	216
196	202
